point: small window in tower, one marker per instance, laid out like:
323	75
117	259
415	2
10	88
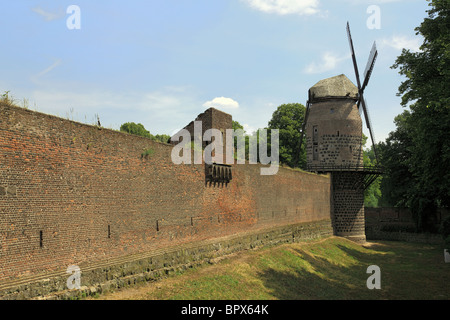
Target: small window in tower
338	133
316	154
315	134
332	110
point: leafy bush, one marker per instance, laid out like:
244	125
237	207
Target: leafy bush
161	138
137	129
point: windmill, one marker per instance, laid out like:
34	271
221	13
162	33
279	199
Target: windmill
361	102
367	73
333	127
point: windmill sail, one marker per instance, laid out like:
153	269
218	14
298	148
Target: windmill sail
355	65
304	126
370	64
369	126
367	73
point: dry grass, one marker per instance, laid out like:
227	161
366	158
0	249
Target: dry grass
333	269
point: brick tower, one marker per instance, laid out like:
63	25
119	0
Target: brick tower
334	145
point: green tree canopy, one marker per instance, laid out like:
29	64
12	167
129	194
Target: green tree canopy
136	129
395	155
425	146
161	138
139	130
288	118
372	194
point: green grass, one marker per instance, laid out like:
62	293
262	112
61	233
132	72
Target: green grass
331	269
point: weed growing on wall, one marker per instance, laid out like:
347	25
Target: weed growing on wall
147	153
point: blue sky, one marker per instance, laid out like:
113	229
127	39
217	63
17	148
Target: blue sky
162	62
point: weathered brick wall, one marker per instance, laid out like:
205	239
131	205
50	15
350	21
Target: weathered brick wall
76	194
389	214
389	223
154	265
210	118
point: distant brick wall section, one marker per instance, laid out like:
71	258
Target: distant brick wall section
73	193
385	214
390	223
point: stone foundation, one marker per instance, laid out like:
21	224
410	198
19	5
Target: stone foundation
151	266
348	206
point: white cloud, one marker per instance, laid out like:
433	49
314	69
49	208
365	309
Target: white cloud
61	100
159	100
328	63
399	42
49	16
371	2
47	70
283	7
160	111
221	103
87	100
249	129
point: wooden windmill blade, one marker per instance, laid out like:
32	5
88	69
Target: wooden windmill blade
370	64
355	64
302	134
369	125
367	73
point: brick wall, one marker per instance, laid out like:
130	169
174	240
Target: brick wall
397	224
72	193
389	223
155	264
209	119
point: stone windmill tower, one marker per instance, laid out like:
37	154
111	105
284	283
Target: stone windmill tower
333	128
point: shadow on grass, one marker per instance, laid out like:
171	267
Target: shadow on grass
322	279
339	272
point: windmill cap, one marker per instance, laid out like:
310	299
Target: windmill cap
334	87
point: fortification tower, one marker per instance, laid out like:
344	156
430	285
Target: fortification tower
334	145
333	128
217	172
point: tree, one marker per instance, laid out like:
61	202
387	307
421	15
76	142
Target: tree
136	129
426	89
395	156
237	126
161	137
428	71
288	118
139	130
372	194
247	137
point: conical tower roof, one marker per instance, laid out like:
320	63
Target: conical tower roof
334	87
